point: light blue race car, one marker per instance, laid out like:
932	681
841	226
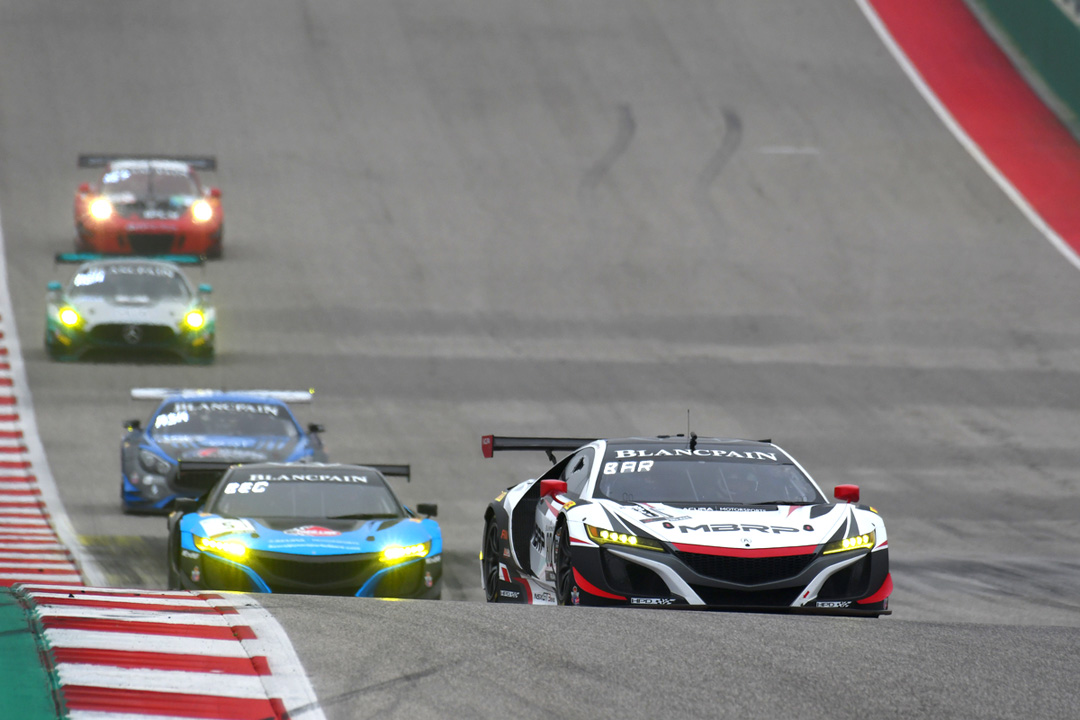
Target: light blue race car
313	528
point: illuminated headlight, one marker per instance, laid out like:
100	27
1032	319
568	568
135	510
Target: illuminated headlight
195	319
855	542
201	211
397	553
231	548
601	536
153	463
101	209
69	317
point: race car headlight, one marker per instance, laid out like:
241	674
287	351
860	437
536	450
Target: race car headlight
229	548
201	211
101	209
601	536
195	319
153	462
397	553
69	317
855	542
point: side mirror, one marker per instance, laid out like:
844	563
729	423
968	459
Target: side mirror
186	505
53	289
552	487
429	509
215	192
316	428
205	289
84	188
135	424
847	493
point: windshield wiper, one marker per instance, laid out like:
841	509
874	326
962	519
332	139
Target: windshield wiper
362	516
783	502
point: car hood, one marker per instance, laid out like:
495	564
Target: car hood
736	527
316	536
132	310
227	448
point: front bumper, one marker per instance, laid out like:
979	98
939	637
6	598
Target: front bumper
125	236
66	343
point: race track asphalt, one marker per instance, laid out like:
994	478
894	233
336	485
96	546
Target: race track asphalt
575	218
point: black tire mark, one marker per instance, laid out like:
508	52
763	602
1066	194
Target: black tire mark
729	143
623	135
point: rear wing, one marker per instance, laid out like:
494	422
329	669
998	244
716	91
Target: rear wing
87	257
491	444
198	477
392	470
289	396
199	162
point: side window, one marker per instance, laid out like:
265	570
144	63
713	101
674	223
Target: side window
576	472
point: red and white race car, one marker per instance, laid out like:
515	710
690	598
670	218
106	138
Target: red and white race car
670	521
148	205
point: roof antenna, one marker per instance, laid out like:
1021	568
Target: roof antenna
692	435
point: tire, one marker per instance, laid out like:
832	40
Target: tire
490	564
564	567
174	563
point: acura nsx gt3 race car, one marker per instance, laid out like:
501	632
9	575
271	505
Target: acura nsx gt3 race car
148	205
126	305
242	426
681	521
307	528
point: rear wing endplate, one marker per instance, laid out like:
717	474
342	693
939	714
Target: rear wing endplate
199	162
491	444
289	396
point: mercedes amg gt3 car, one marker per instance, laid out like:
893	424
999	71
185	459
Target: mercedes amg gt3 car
123	306
148	205
307	528
194	424
681	521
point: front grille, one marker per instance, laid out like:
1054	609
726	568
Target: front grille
151	243
722	597
329	575
746	570
120	334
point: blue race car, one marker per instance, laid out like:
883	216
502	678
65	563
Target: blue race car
245	426
313	528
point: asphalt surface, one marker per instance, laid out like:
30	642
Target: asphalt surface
578	218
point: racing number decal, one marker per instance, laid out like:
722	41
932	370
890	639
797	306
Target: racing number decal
246	487
628	466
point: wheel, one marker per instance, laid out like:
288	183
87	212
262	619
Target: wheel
490	563
564	568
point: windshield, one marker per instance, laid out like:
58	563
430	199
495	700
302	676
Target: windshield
711	480
245	419
351	492
129	282
128	184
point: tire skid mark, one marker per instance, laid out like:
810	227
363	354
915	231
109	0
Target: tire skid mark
624	134
729	143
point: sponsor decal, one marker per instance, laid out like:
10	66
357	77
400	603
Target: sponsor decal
538	540
229	407
152	214
189	555
575	596
652	601
543	596
132	334
506	552
215	526
195	574
700	452
504	535
500	496
514	594
736	527
245	487
433	560
308	477
312	531
568	505
833	603
667	520
428	581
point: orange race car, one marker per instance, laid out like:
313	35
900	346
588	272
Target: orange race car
148	205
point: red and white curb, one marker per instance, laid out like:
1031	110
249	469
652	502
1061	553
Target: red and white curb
127	654
124	654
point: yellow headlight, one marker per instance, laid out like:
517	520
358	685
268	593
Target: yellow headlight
865	541
398	553
232	548
600	536
201	211
69	317
195	319
101	209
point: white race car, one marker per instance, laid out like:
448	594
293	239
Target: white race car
681	521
